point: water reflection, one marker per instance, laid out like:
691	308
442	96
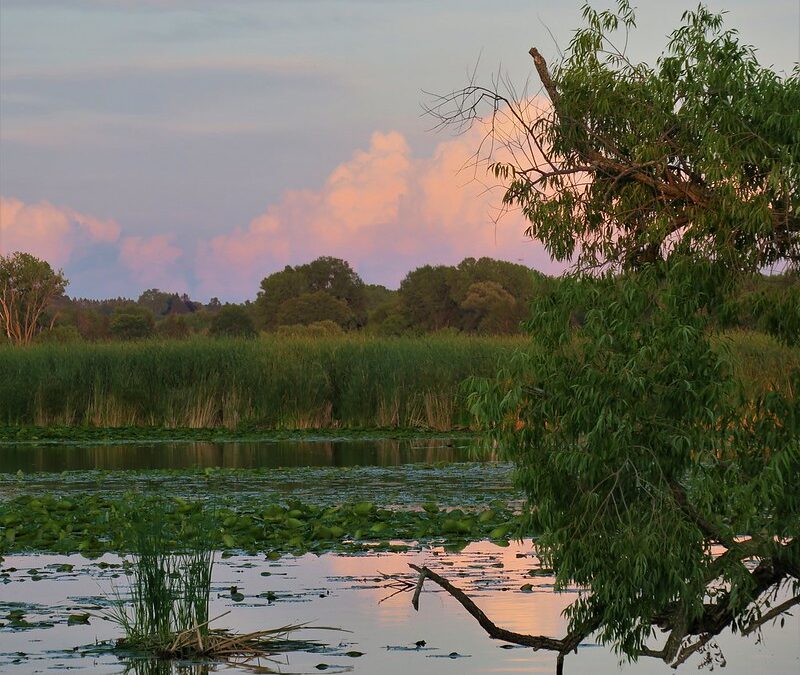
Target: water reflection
153	667
345	591
234	455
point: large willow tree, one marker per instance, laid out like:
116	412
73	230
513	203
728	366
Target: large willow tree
659	482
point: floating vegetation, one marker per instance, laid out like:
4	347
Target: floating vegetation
94	524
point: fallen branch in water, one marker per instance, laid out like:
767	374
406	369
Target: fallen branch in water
678	648
561	646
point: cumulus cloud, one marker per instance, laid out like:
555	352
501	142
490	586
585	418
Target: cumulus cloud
383	210
152	261
50	232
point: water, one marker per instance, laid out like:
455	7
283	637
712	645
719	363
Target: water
332	589
233	455
349	592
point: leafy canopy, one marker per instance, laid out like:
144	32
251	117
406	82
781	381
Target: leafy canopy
630	163
27	287
658	485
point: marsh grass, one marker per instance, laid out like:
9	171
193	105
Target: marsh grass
170	584
279	382
166	615
273	382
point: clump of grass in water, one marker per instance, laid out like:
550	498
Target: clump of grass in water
167	615
170	585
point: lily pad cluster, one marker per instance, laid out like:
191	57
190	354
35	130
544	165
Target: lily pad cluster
94	524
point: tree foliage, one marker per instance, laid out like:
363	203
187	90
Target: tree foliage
658	485
27	286
643	460
232	321
132	322
630	163
325	279
438	297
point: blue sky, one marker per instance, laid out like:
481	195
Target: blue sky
178	122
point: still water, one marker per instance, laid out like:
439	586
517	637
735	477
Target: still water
351	593
232	455
345	591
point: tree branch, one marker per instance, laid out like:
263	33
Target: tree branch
564	645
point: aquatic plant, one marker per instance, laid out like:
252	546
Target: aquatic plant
170	581
167	612
274	382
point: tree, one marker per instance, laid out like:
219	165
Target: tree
658	486
492	308
132	322
232	321
27	286
427	300
309	308
324	276
629	163
173	327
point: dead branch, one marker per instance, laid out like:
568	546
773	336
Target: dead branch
563	646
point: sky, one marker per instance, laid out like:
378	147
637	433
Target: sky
200	145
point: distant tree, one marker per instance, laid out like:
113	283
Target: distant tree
427	299
325	328
156	301
389	319
173	327
232	321
27	286
492	308
326	276
313	307
516	279
377	295
434	298
91	324
60	334
132	322
335	277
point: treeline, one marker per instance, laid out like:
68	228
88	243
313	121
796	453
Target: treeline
323	297
327	297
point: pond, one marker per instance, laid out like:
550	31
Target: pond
234	455
349	592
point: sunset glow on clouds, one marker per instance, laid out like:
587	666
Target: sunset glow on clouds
49	232
201	145
152	261
383	210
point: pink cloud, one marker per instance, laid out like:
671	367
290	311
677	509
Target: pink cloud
50	232
383	210
152	261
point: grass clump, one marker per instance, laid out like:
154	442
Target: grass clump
167	613
170	585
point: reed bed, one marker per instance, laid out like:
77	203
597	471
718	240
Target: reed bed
271	382
279	382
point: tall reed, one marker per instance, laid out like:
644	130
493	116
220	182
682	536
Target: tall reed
273	382
170	584
281	382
